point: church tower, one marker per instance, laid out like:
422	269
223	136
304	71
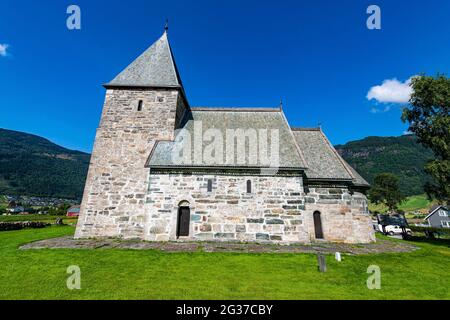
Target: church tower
143	104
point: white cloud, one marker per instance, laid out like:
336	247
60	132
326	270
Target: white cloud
3	48
391	91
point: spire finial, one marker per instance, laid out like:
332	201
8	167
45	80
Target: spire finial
166	26
281	103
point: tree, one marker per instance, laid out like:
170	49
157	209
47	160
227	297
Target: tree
385	190
429	119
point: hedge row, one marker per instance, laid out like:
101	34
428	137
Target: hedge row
430	229
7	226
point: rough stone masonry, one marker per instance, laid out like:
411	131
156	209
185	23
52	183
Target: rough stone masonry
135	189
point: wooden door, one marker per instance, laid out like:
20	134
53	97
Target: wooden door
318	225
184	217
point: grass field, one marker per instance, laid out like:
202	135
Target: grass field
148	274
412	203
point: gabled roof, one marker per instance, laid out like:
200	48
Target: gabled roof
435	208
223	119
154	68
299	148
322	159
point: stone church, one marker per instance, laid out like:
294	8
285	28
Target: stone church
156	173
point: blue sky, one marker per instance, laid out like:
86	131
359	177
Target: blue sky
318	56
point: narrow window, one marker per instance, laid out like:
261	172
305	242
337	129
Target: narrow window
209	185
249	186
139	105
318	225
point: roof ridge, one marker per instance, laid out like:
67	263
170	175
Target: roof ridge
338	156
235	109
305	129
172	59
299	150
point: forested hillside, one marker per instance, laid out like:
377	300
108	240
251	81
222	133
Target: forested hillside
402	156
31	165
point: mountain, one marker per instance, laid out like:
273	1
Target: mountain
402	156
31	165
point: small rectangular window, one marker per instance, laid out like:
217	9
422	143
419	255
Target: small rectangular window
209	185
249	186
139	105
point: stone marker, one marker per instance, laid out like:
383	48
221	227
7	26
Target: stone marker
322	262
337	255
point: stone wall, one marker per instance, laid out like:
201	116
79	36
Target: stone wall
344	214
117	181
274	210
277	210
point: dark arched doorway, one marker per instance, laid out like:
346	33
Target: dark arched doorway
183	220
318	225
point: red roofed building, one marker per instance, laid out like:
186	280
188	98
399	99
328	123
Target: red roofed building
73	211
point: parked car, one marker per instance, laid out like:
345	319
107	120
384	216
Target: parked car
392	229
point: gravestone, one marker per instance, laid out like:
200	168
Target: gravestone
322	263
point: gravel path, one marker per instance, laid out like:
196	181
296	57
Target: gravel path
381	246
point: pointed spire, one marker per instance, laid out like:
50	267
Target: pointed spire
154	68
166	26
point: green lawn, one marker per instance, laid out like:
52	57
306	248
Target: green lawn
412	203
148	274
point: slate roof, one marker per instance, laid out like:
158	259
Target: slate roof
232	118
305	150
322	160
154	68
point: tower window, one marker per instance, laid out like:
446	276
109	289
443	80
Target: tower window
139	105
209	185
160	99
249	186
